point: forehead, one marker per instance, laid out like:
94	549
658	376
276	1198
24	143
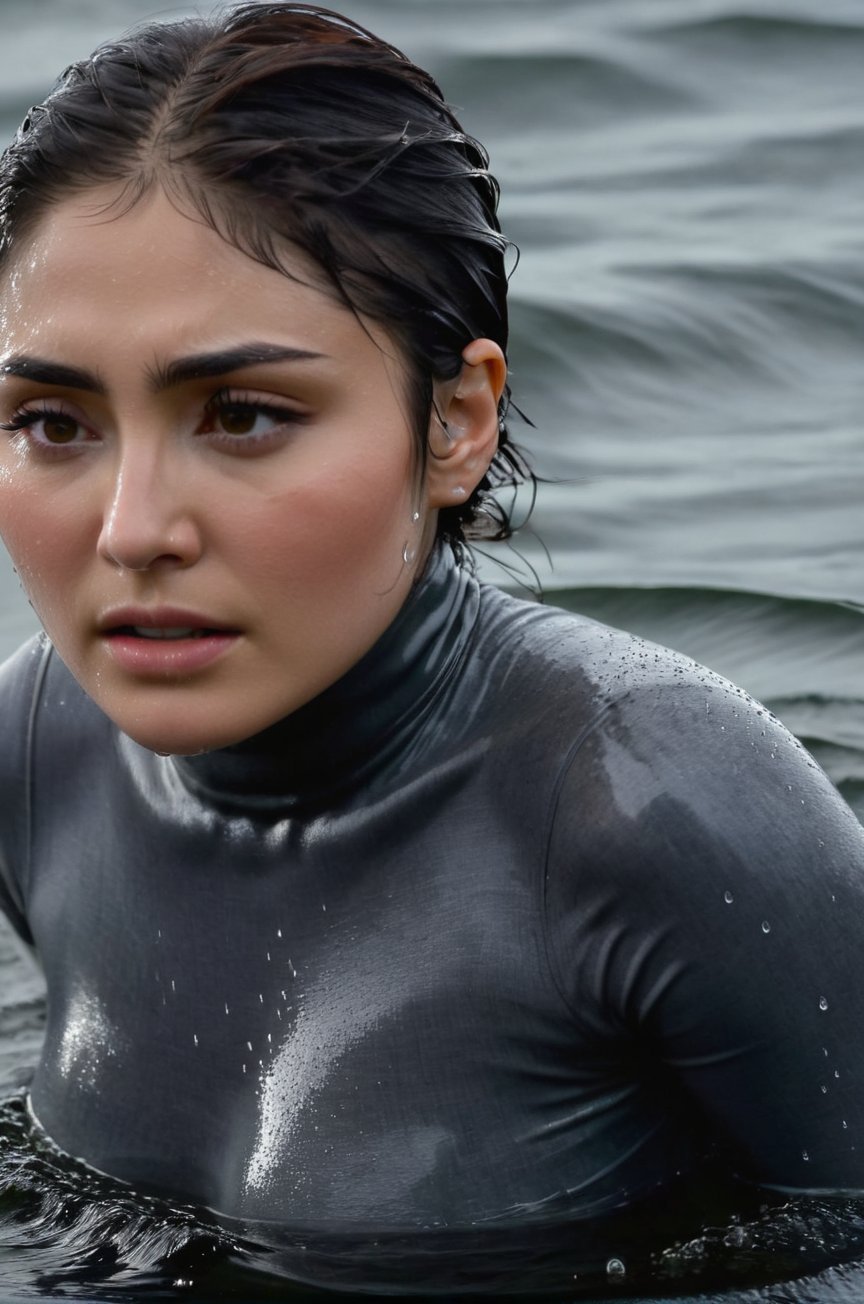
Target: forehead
162	277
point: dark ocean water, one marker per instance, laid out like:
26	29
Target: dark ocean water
686	181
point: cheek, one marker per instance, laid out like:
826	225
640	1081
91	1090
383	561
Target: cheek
44	541
331	526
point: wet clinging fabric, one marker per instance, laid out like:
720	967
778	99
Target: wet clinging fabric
522	915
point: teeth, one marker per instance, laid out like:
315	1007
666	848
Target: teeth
148	631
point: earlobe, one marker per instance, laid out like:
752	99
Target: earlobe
463	431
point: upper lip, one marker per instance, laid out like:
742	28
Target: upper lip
160	618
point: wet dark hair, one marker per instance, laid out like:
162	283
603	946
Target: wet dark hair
289	125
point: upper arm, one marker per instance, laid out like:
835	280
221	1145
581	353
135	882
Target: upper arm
706	893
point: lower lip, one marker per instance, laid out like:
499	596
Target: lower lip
164	656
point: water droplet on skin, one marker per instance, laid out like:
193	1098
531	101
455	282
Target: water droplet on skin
766	927
615	1269
823	1004
728	898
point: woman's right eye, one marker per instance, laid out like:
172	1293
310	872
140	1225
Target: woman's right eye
46	429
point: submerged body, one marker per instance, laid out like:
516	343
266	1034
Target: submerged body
521	915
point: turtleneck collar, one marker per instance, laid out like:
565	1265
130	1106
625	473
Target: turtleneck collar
341	737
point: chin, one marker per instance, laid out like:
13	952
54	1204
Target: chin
178	737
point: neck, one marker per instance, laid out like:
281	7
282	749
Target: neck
360	724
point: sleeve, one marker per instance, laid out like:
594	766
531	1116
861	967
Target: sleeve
705	901
20	681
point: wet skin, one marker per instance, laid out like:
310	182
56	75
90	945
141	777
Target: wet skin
202	444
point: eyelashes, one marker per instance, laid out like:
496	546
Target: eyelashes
59	429
233	420
237	417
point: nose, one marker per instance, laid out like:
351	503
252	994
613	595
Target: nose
148	519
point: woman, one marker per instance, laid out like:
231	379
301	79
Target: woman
365	894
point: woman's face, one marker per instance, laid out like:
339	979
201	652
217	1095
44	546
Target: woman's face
212	478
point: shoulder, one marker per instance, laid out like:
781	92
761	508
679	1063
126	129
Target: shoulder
40	704
21	677
684	786
651	747
598	678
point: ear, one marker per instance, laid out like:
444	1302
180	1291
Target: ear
463	430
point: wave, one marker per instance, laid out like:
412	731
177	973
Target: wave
742	29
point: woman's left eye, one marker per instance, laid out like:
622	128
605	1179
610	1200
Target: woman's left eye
243	422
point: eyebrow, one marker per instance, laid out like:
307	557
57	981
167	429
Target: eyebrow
196	366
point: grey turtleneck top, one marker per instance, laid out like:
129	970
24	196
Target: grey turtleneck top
523	914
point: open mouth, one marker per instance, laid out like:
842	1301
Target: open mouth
169	632
159	650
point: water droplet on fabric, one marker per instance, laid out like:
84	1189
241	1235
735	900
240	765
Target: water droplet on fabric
615	1269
